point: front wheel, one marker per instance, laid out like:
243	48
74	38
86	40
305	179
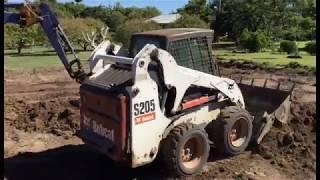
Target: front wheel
185	150
232	131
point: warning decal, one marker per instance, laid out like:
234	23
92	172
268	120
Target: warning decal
145	118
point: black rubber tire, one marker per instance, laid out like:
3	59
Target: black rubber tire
220	130
173	144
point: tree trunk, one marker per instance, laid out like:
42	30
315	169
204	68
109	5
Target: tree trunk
19	48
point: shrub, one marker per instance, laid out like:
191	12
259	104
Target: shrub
311	47
288	46
262	40
254	41
289	35
297	34
244	36
293	65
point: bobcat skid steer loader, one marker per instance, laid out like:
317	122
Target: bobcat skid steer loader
166	99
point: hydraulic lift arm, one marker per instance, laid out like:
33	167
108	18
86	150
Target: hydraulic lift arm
51	26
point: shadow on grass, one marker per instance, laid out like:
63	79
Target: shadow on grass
264	58
29	54
227	55
39	53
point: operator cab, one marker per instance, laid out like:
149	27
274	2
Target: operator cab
190	47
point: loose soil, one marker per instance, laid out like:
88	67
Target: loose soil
42	117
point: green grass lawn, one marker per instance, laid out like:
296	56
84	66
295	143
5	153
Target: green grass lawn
275	58
36	57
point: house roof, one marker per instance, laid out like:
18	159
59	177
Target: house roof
165	19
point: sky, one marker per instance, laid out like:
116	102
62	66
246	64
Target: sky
165	6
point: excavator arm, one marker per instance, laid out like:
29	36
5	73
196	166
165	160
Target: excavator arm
26	17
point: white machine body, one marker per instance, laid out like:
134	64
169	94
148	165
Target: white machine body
148	128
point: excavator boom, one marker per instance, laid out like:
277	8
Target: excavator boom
51	26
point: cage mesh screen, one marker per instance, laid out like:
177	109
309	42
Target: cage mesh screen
181	53
192	53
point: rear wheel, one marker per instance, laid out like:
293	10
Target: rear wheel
185	150
232	131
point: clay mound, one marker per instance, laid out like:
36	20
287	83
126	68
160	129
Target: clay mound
293	147
59	116
292	68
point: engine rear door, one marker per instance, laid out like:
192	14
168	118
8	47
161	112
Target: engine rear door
104	121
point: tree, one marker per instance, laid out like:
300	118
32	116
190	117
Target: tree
38	35
149	12
98	12
9	37
197	7
74	9
190	21
51	2
18	38
306	7
254	41
94	38
135	13
114	19
125	30
269	15
75	27
307	23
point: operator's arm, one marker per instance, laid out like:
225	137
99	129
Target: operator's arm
51	26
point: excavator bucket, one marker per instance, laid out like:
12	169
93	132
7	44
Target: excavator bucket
268	101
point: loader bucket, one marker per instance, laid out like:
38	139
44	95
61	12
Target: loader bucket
268	101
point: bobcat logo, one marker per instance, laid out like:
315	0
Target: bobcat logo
86	121
98	128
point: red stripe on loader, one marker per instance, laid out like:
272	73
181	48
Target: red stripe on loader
195	102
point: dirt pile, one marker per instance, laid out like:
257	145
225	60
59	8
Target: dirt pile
43	113
291	68
292	148
59	116
286	152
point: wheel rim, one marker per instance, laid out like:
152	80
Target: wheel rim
238	133
191	153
